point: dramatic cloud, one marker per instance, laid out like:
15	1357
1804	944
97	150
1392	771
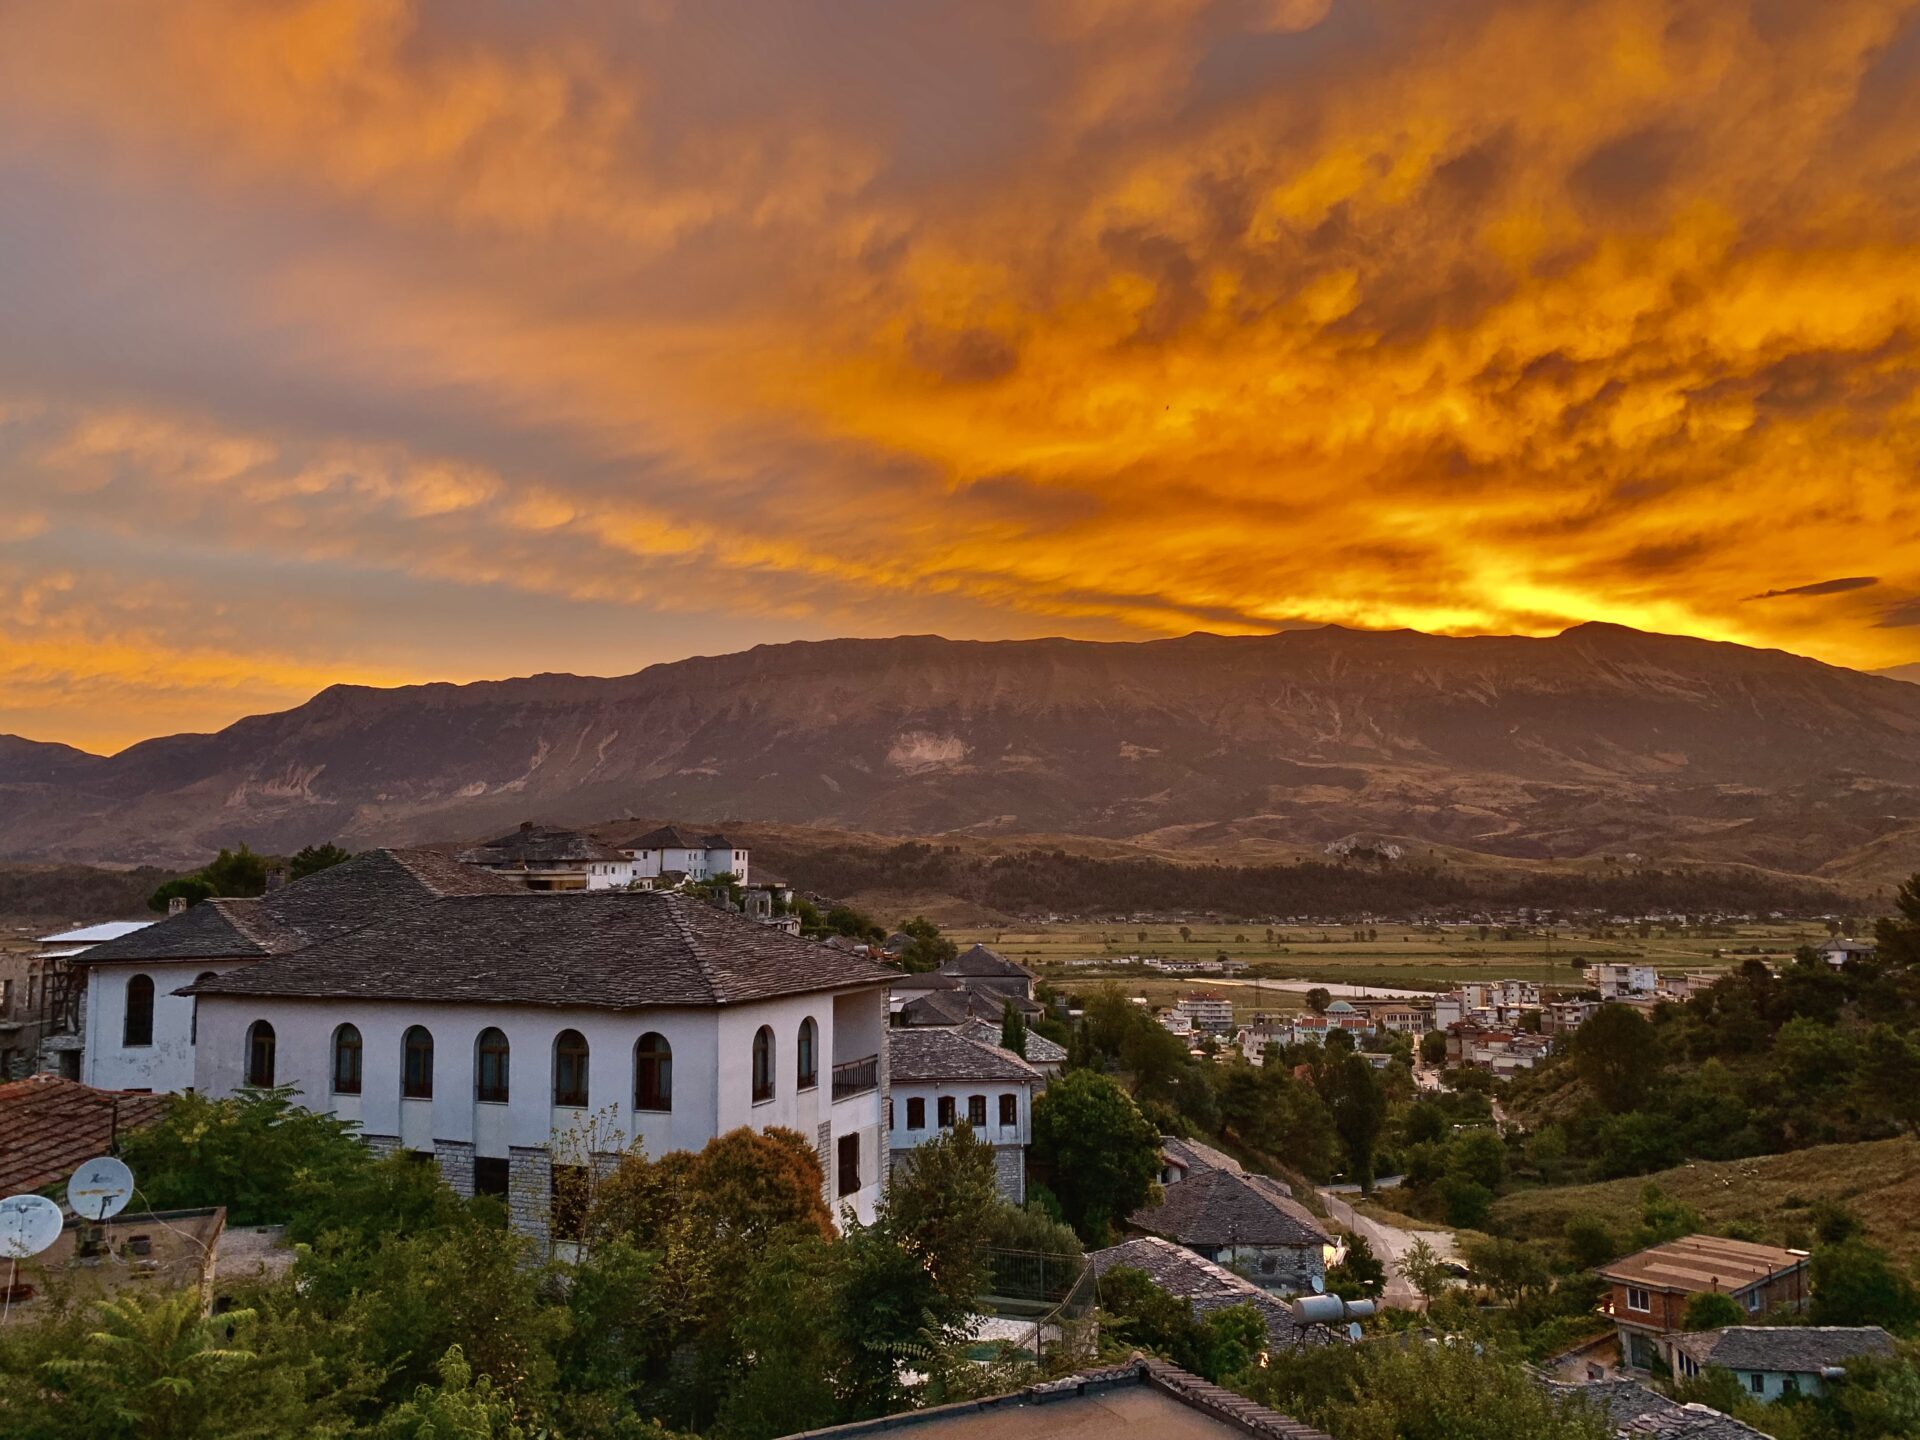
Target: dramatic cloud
367	340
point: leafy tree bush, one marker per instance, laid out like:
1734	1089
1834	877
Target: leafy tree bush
1710	1310
1618	1056
1100	1154
929	950
1855	1283
312	859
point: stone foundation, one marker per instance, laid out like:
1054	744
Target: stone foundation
381	1145
530	1192
455	1159
1010	1173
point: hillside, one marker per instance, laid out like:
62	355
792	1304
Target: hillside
1877	1180
1600	741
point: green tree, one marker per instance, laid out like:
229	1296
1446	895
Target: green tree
1424	1269
237	872
1013	1031
852	923
1855	1283
1359	1111
1510	1268
190	888
943	1206
312	859
1433	1047
1897	936
459	1407
1360	1274
929	950
1468	1205
1479	1156
1711	1310
1618	1056
1318	999
1589	1240
1100	1155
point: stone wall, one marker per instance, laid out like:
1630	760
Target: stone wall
455	1159
530	1192
382	1145
1010	1173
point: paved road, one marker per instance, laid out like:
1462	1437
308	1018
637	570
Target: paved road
1389	1243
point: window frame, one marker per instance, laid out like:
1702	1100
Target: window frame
258	1031
807	1056
138	983
487	1057
946	1111
846	1177
765	1055
1009	1110
660	1063
1645	1307
916	1112
336	1049
412	1086
578	1058
977	1105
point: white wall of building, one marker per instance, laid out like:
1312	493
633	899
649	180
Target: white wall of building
712	1072
166	1066
1020	1133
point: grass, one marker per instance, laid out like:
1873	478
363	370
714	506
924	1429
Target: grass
1398	955
1878	1181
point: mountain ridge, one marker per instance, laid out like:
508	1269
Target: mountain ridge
1601	738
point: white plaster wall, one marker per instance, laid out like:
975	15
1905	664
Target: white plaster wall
712	1070
165	1066
994	1133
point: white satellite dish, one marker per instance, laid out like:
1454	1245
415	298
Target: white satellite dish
28	1225
100	1188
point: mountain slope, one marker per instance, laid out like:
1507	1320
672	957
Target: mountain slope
1598	740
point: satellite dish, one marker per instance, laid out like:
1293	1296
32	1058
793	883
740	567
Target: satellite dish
100	1188
28	1225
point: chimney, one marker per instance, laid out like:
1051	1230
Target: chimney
526	824
177	905
276	877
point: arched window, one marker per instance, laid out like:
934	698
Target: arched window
570	1070
260	1055
652	1073
193	1023
762	1064
490	1067
137	1029
346	1060
416	1070
809	1054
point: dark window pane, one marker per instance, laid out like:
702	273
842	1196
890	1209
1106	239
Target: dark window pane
489	1175
492	1063
946	1111
916	1113
1009	1110
763	1065
417	1071
847	1163
977	1111
260	1055
138	1029
346	1061
570	1070
653	1073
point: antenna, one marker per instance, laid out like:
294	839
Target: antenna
28	1225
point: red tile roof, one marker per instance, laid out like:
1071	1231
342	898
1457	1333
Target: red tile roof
48	1126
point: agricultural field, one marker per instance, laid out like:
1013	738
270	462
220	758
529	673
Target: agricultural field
1388	955
1877	1180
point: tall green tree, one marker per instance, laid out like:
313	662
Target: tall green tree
312	859
1617	1054
1100	1155
1013	1030
929	950
1359	1110
1897	936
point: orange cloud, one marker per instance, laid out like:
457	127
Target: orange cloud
1103	318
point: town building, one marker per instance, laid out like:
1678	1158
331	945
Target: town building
1049	1057
1772	1362
1182	1159
1563	1017
519	1039
1248	1222
941	1077
1208	1013
1649	1290
670	853
1139	1400
979	968
140	1028
41	1000
547	857
1617	981
1208	1287
1838	952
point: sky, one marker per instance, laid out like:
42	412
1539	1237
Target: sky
388	341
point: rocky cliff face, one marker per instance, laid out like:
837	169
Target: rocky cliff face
1598	740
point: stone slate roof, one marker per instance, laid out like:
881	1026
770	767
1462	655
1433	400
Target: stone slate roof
983	963
1040	1050
1701	1262
1225	1208
1790	1349
1620	1401
1207	1286
958	1007
926	980
1689	1422
610	949
532	846
1195	1158
319	907
930	1054
49	1126
672	837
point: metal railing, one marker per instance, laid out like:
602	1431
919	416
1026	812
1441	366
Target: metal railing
856	1077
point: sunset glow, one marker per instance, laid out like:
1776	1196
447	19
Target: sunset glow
379	342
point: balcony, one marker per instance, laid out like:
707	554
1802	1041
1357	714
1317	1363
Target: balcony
856	1077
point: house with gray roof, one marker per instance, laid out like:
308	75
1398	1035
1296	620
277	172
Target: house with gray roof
1182	1159
1248	1222
940	1077
1632	1411
1049	1057
1771	1361
668	851
519	1039
137	1024
1208	1287
549	857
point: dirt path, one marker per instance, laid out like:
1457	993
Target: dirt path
1390	1243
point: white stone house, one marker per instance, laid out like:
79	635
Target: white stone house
1210	1013
1616	981
671	850
547	857
139	1029
1250	1223
520	1039
1772	1362
940	1077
